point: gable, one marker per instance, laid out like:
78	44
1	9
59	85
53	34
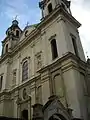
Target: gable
53	108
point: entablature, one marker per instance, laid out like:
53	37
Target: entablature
68	61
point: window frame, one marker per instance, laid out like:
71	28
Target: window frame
54	49
1	81
25	70
50	9
29	67
6	48
17	31
74	43
53	37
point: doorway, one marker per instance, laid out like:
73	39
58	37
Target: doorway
25	114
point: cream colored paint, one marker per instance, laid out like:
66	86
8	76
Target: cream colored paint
45	92
74	95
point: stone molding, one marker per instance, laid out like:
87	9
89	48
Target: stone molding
67	61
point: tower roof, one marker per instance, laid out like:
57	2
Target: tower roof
12	27
15	22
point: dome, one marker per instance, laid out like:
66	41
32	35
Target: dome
15	22
11	29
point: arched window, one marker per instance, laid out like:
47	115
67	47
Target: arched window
54	49
25	71
6	48
1	81
17	33
50	8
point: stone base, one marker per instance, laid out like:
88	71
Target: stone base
77	119
7	118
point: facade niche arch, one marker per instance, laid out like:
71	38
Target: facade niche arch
57	117
58	85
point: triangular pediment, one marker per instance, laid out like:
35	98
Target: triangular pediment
55	107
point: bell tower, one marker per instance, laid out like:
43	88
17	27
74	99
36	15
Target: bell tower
61	33
47	6
12	37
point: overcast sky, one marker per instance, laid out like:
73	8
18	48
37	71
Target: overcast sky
28	11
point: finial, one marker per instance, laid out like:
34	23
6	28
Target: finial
15	21
27	24
16	17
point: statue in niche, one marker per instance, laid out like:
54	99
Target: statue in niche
19	100
25	96
39	62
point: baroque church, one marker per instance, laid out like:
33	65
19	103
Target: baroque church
43	71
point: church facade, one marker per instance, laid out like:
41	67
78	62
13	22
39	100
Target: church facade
43	71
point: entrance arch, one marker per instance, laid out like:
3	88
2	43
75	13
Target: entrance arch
57	117
25	114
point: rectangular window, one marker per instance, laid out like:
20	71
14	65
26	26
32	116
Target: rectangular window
54	49
74	45
1	80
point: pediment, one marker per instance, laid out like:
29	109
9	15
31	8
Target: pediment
54	107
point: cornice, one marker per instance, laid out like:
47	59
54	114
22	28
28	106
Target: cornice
59	11
24	84
72	61
71	18
4	57
4	95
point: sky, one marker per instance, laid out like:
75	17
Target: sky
28	11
